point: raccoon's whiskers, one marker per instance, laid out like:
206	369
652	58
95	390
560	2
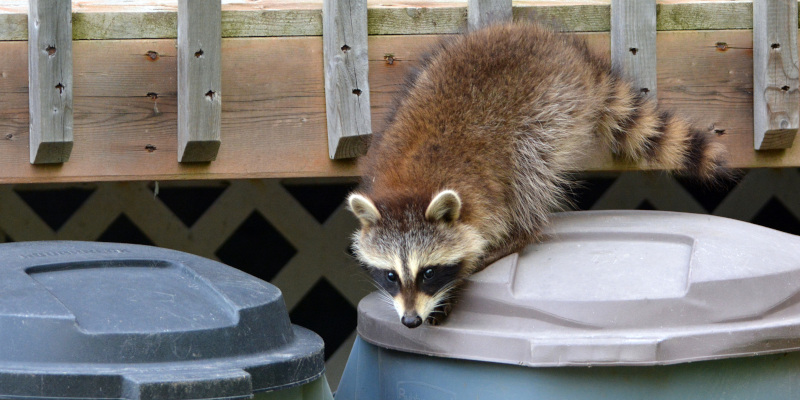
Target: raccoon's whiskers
441	297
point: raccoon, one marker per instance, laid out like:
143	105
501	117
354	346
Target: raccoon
479	152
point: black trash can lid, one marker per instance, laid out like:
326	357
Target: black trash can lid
619	288
115	321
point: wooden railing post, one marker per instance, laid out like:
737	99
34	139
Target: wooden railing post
199	79
344	45
483	12
633	42
776	82
50	80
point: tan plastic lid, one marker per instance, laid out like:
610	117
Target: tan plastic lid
619	288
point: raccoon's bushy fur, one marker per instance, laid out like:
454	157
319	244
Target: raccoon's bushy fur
501	116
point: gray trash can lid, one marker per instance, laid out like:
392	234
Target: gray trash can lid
104	320
619	288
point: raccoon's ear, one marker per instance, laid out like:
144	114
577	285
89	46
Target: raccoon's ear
364	209
446	207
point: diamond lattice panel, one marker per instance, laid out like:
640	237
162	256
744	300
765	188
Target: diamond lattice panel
55	214
257	248
310	262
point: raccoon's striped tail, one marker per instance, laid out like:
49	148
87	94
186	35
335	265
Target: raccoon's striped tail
637	130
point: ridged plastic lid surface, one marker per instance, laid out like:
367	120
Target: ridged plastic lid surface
619	288
104	320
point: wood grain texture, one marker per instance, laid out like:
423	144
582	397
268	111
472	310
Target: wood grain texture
275	127
675	15
776	87
117	19
483	12
199	80
633	42
50	81
345	56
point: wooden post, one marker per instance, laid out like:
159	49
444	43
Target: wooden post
633	42
199	79
50	80
344	44
483	12
776	82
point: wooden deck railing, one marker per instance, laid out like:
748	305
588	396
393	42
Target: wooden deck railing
273	116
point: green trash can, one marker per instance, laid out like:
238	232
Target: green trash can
82	320
661	305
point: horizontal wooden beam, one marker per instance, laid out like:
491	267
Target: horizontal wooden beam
274	123
115	19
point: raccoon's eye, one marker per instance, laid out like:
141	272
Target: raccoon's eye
391	277
428	274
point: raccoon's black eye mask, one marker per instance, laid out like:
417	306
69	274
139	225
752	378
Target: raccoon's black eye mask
433	278
387	279
430	279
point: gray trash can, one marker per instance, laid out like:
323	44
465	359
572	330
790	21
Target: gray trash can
667	305
111	321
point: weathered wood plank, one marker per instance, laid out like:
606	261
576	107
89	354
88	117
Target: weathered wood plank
633	42
569	17
50	81
275	126
677	15
199	80
483	12
113	19
776	87
347	105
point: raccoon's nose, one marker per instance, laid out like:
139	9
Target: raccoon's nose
411	320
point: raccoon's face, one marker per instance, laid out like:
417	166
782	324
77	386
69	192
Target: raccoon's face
415	256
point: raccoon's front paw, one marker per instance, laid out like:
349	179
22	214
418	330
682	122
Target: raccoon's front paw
439	314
